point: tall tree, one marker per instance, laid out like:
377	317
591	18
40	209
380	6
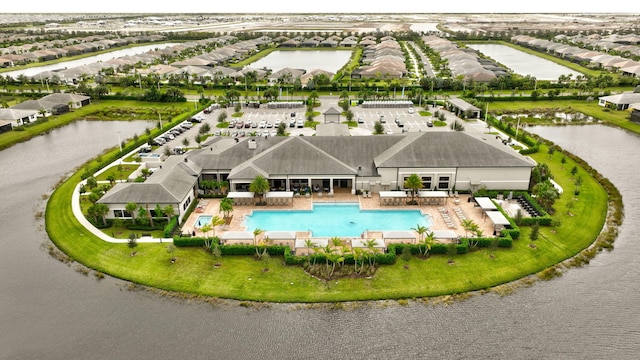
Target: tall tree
414	183
131	209
226	207
259	185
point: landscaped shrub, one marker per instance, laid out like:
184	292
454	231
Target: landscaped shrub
439	249
188	241
273	250
462	248
171	227
505	242
484	242
157	225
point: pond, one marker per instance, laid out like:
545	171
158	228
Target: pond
328	60
522	63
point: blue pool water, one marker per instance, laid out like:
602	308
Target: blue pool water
327	220
202	220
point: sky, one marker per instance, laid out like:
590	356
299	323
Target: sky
324	6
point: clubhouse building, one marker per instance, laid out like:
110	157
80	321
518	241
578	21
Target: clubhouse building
444	160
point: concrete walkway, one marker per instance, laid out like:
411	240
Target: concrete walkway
77	212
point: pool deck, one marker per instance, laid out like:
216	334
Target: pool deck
453	206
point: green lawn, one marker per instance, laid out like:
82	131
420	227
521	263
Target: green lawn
244	278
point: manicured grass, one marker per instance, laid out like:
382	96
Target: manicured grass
120	172
244	278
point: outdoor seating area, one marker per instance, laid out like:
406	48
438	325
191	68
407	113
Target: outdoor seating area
241	198
395	198
202	205
447	219
459	213
444	222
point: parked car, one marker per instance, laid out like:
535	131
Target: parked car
411	110
239	125
360	121
178	150
382	120
186	125
269	125
292	123
197	119
429	123
159	141
400	123
254	124
263	124
300	123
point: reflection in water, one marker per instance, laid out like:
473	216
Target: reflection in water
51	311
523	63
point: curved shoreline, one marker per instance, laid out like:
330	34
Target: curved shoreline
113	259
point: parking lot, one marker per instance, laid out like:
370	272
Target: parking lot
263	122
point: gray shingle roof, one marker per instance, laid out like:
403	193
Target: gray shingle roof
168	185
359	155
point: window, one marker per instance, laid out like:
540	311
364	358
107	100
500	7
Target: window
426	182
443	182
121	214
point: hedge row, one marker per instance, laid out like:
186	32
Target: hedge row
387	258
171	227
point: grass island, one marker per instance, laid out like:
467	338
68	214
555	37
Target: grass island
577	235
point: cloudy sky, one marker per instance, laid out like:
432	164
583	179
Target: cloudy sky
324	6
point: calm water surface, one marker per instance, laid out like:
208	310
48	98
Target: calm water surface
328	60
327	220
88	60
523	63
48	310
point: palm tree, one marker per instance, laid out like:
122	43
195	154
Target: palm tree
467	224
256	233
414	183
370	244
158	211
207	240
216	221
427	241
131	209
309	245
328	251
358	257
546	194
259	185
168	211
421	230
226	207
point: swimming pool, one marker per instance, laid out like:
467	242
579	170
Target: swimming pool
202	220
335	219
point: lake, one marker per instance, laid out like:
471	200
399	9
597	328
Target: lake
51	310
87	60
328	60
523	63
